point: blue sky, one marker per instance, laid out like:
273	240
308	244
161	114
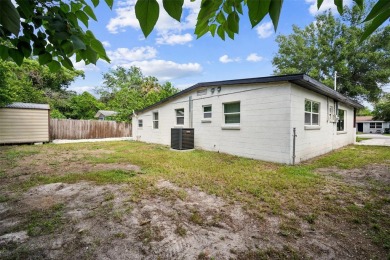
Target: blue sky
172	52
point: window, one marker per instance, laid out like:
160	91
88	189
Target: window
207	111
375	125
341	121
155	120
180	116
312	112
140	123
232	113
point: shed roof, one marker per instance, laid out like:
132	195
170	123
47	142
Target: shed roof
299	79
21	105
106	113
361	119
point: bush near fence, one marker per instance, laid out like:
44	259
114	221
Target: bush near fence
87	129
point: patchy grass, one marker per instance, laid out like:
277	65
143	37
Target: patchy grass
42	222
359	139
263	188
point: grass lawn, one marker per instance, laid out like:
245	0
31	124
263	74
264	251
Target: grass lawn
333	195
359	139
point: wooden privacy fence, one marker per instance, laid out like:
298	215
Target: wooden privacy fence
87	129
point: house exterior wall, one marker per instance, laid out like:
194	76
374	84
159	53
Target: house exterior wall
269	112
23	125
263	132
368	130
314	141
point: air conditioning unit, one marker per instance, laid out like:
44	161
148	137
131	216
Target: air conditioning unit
333	118
182	138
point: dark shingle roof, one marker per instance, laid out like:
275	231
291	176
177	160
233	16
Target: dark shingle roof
298	79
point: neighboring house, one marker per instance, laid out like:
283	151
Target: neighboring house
255	118
24	123
366	125
102	114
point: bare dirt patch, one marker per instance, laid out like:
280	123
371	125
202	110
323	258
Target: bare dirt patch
105	222
360	176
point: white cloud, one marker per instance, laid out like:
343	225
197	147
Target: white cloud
173	39
81	89
125	55
253	57
106	44
225	59
82	66
327	4
265	30
166	25
166	70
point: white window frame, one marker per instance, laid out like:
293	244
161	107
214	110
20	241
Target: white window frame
140	123
155	120
376	125
177	116
234	113
208	112
344	120
312	113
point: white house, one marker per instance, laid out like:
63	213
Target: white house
366	124
255	118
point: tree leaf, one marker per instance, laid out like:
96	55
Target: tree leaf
16	55
221	32
110	3
257	10
174	8
340	7
212	29
45	58
147	12
90	55
26	8
274	11
88	10
233	22
220	18
67	63
3	52
9	17
78	44
359	3
374	24
378	8
319	3
97	46
95	2
82	17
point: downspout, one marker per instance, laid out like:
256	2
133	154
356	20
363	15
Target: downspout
294	137
190	109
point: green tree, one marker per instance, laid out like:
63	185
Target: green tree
84	106
126	90
382	108
51	30
332	44
32	82
364	112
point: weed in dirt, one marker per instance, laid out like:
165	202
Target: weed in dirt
2	174
42	222
290	228
120	235
109	196
4	198
311	218
150	233
181	231
197	218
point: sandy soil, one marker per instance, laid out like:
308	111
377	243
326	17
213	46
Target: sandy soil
106	222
